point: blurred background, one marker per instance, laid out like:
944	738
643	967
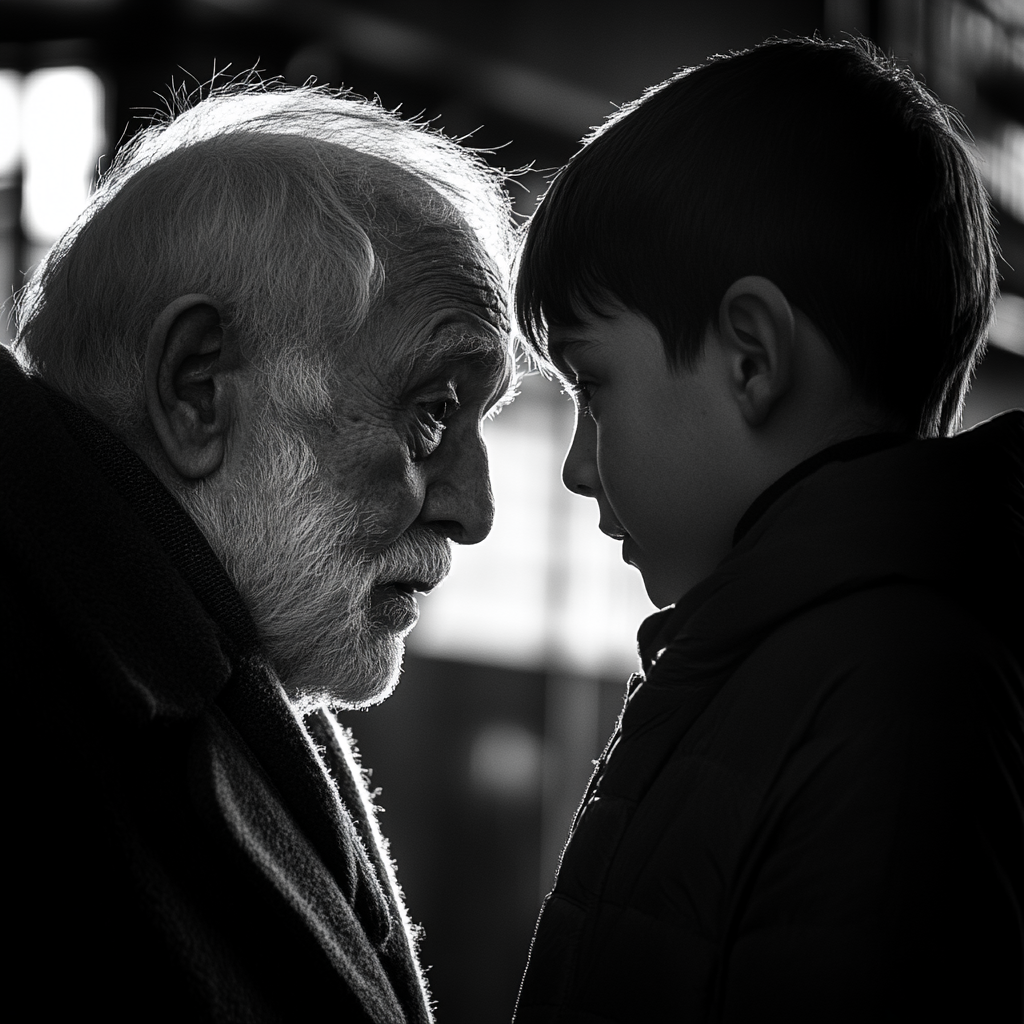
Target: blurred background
516	672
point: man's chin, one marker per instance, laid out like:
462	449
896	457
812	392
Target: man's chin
394	609
361	676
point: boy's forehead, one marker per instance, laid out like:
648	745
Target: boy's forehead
586	320
612	340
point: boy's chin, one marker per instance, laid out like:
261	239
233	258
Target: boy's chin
661	593
664	590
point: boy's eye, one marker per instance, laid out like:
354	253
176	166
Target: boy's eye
431	416
581	392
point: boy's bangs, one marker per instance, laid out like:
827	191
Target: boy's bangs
557	279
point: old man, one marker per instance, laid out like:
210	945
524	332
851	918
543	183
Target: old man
245	429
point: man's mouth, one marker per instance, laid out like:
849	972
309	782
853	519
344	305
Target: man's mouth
394	601
408	586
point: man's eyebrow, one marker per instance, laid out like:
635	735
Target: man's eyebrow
454	345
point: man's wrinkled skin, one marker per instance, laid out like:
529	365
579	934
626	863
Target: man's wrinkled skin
330	524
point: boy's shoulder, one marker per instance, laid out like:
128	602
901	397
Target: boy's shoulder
891	581
944	517
896	652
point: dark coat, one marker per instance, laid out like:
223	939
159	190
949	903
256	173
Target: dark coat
813	806
177	849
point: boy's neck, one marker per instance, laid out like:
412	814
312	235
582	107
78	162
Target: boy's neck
844	451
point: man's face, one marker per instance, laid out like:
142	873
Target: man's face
652	446
329	527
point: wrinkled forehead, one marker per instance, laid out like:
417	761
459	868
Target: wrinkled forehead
442	271
443	302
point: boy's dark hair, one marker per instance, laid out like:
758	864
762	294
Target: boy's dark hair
821	165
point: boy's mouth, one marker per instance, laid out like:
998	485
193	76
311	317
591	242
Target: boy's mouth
613	530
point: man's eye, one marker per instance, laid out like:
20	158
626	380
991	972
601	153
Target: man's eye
441	410
429	422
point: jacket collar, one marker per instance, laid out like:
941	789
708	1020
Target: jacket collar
854	448
657	630
890	510
906	513
91	554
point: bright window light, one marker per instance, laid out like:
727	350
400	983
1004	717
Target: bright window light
546	589
1007	330
494	605
62	138
1002	167
10	122
505	760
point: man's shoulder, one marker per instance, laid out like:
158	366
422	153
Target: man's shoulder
89	581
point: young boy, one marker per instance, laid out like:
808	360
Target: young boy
767	283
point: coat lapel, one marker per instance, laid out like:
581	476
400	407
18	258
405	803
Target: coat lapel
257	707
399	946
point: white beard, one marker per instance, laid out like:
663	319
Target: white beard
301	556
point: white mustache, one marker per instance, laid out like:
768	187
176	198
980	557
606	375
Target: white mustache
424	557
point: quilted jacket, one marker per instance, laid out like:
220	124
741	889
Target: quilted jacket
812	808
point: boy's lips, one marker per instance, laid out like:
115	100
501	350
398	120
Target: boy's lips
627	547
613	530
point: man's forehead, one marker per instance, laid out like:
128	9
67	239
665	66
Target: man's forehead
448	266
443	313
453	287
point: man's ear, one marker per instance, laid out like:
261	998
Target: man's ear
757	329
191	397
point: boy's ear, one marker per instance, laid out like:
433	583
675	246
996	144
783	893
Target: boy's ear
191	358
757	329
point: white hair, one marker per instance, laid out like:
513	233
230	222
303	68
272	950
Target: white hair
282	203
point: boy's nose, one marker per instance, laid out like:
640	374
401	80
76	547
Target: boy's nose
579	471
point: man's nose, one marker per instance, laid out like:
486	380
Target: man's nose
579	471
458	501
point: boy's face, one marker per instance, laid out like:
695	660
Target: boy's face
658	449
